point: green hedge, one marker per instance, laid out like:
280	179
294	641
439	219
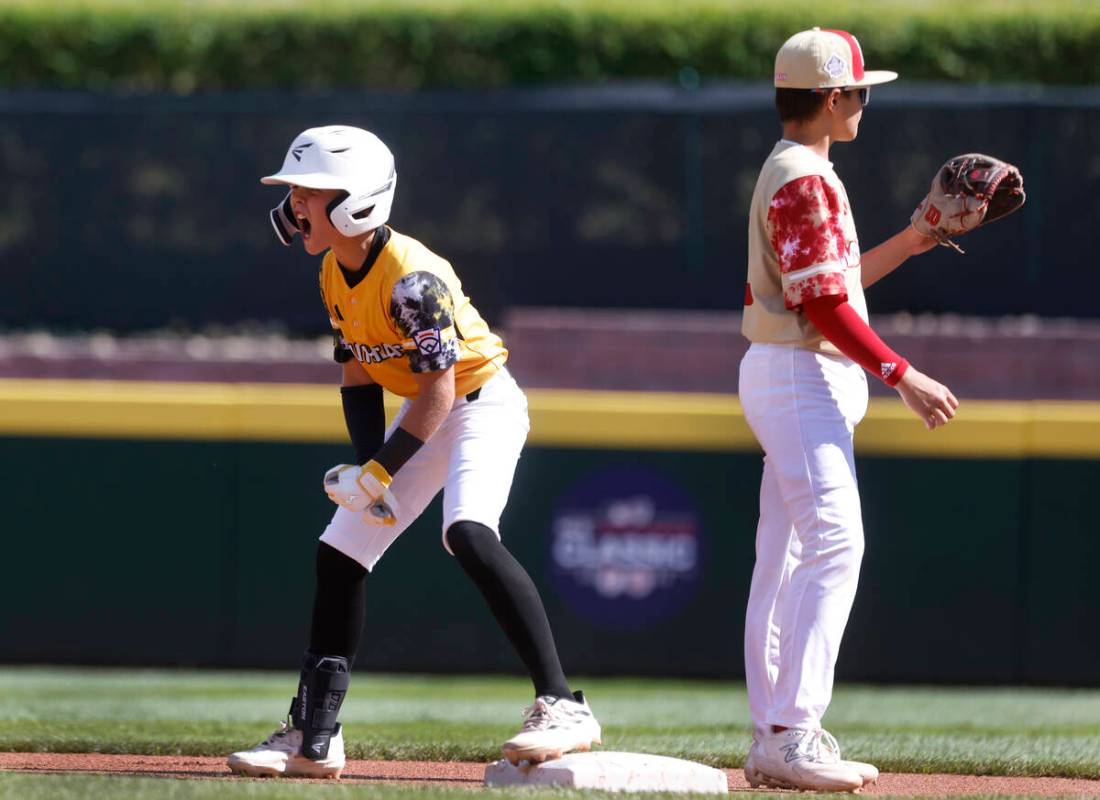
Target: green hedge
114	44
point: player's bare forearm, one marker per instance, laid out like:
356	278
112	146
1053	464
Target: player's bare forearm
354	374
435	396
880	261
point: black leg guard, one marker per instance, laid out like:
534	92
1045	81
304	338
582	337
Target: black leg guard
321	689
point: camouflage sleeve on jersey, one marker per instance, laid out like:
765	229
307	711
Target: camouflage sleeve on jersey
423	311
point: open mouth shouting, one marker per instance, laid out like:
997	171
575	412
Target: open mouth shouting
304	224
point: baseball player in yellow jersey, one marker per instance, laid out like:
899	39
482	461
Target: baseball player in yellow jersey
403	323
803	389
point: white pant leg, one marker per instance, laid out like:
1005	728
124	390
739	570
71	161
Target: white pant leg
487	437
803	408
770	577
415	485
473	455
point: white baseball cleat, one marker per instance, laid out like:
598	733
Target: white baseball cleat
554	726
802	759
868	772
278	755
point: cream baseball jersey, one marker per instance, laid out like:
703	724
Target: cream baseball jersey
408	315
802	244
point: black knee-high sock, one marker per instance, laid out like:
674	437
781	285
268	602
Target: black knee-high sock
338	604
514	601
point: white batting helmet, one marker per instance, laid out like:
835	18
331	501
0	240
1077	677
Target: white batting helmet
346	158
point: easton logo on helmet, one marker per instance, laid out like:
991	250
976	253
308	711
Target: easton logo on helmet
297	151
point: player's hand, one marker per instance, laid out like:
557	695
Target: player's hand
928	399
363	489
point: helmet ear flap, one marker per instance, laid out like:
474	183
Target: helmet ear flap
332	206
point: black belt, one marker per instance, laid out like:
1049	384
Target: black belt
474	395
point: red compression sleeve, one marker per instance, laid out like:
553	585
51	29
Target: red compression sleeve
844	327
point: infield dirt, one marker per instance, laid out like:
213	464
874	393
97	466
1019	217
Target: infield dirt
468	774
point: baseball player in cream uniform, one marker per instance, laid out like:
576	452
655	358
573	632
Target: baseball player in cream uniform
402	322
803	388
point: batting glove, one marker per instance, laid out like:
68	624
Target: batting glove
363	489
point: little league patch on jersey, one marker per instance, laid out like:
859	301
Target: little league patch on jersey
432	350
428	343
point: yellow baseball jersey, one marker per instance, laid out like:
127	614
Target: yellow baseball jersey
408	315
802	245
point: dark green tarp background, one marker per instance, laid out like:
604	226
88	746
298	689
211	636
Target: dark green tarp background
131	213
138	552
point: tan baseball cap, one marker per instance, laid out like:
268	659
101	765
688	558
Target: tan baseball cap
824	59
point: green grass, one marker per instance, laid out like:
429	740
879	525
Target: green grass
1039	732
81	787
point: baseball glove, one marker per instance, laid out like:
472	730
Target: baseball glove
968	191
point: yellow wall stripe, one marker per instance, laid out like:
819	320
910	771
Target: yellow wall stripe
559	418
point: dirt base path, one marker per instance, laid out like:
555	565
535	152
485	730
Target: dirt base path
469	775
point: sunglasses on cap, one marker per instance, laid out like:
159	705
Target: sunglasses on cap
864	93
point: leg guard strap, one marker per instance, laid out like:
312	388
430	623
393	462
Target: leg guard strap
321	688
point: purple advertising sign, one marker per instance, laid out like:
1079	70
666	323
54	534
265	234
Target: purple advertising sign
626	547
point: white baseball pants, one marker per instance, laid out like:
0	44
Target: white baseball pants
803	407
472	458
